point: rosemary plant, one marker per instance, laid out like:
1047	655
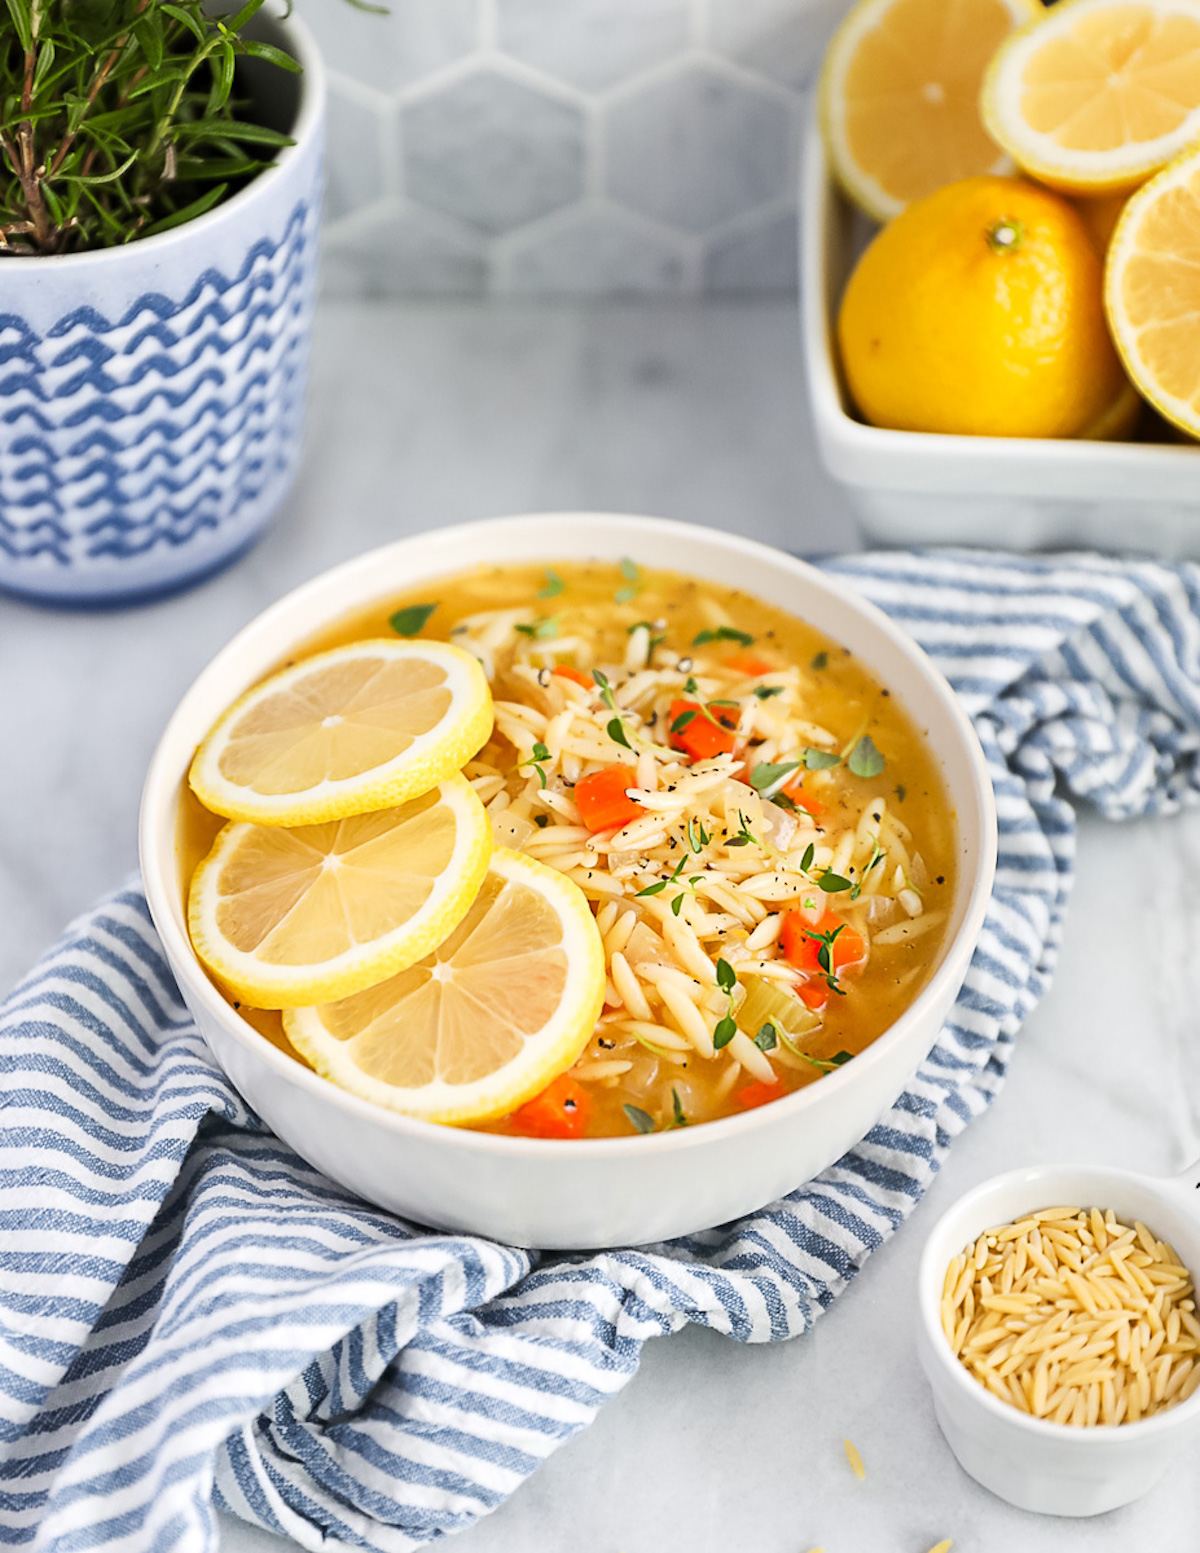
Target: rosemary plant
118	119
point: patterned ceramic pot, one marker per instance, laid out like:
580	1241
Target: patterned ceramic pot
151	397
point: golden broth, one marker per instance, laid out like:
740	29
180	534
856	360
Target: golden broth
839	694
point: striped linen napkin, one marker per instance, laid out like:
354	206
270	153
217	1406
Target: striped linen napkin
190	1316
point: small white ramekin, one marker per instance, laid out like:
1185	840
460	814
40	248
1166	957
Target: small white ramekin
600	1191
1030	1462
1024	493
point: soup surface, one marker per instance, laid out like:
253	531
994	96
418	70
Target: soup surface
759	829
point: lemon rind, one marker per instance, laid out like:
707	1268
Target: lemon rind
433	756
263	986
869	195
571	1026
1177	411
1061	170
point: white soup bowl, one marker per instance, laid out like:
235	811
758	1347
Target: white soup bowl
591	1192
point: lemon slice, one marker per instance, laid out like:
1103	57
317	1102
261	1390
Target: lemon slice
500	1008
1098	94
360	727
287	917
899	96
1152	291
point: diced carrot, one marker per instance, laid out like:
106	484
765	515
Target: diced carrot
814	995
561	1110
795	791
759	1094
749	663
706	734
802	950
602	801
577	676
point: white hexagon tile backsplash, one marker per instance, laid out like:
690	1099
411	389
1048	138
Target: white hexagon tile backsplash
566	147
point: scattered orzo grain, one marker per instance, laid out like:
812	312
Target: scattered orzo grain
855	1460
1070	1315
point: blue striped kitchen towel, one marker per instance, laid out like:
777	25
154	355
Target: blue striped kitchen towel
190	1316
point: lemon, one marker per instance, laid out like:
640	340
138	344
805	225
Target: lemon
500	1008
360	727
1152	291
288	917
979	310
1096	95
899	96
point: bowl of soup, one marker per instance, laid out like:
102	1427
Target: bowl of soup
756	792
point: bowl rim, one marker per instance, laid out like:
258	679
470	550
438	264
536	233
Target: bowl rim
931	1273
163	777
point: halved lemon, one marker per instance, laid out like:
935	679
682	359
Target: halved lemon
899	96
1152	291
500	1008
1097	95
357	728
288	917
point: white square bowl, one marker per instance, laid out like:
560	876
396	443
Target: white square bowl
917	488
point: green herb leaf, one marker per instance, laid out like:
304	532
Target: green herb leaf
633	578
639	1120
767	776
680	1115
901	792
605	689
553	586
616	732
766	1040
839	1058
821	760
676	905
684	719
833	883
409	620
543	629
723	634
724	1032
654	889
865	760
765	692
698	837
726	976
806	860
821	661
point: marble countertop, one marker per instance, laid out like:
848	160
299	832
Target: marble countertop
425	415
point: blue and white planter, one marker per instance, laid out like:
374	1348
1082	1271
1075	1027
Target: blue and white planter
152	396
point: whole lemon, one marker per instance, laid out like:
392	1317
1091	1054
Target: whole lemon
979	310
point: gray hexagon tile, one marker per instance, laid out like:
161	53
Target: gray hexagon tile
415	38
782	39
491	152
393	249
755	259
697	148
354	164
594	253
592	43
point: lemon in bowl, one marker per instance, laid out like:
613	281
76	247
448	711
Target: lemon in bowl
979	311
